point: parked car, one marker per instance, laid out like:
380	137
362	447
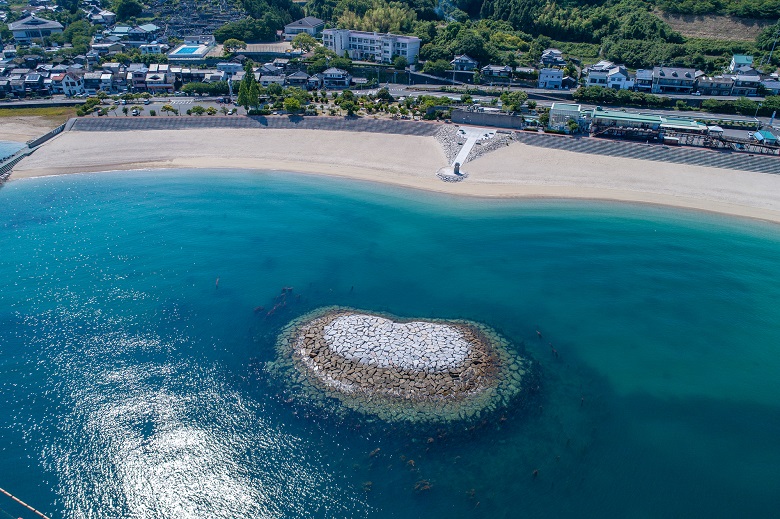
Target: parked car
147	101
231	112
135	112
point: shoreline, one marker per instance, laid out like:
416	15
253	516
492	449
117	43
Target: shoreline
516	171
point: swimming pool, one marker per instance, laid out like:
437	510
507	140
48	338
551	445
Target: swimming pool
187	50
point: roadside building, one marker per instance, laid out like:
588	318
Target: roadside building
643	80
772	86
462	62
309	25
620	123
92	82
715	86
336	78
746	85
159	80
360	45
562	113
496	72
673	80
608	75
550	78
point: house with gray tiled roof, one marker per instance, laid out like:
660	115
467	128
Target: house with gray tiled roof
34	28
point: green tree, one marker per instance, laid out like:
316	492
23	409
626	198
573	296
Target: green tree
168	109
233	44
125	110
126	9
292	105
211	110
198	110
513	101
437	67
349	106
254	94
304	41
400	63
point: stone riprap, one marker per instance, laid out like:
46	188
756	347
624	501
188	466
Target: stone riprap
375	341
413	370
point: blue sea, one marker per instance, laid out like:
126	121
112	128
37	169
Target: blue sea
133	384
8	148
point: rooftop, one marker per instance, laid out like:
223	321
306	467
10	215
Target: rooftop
617	115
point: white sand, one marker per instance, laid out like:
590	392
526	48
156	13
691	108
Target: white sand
24	128
518	170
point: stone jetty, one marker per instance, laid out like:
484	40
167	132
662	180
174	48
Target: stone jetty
412	370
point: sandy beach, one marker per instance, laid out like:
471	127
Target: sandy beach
24	128
518	170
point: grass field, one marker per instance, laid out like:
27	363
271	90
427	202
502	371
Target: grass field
54	114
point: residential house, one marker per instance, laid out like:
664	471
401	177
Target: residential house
551	78
33	28
496	71
281	63
619	78
107	48
5	88
374	46
596	75
34	84
299	79
92	82
552	58
103	17
740	61
746	85
153	48
462	62
136	77
310	25
67	83
229	67
608	75
643	80
673	80
107	82
271	80
336	78
715	86
314	82
158	79
772	86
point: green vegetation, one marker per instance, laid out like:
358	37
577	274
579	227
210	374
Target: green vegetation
126	9
56	114
263	20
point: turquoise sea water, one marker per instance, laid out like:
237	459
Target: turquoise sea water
131	386
8	148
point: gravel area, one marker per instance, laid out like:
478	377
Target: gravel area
450	141
500	140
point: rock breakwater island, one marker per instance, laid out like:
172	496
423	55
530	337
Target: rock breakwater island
409	370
